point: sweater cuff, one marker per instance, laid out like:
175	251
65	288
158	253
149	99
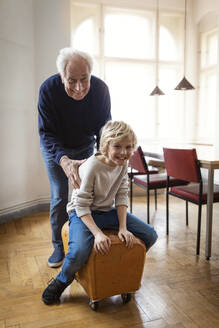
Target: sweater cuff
82	211
121	202
59	156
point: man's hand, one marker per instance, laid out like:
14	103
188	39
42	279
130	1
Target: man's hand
102	243
127	237
70	167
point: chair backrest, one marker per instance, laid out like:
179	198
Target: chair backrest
182	164
137	161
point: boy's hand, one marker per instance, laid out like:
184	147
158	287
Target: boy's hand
102	243
127	237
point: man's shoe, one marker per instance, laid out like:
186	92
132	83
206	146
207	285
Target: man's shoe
53	292
56	259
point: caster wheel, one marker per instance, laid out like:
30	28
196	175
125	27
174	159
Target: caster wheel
126	298
93	305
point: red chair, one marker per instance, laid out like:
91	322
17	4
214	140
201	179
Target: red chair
147	178
183	164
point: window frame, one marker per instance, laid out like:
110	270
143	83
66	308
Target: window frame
204	71
178	64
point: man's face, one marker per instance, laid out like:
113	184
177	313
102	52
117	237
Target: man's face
77	79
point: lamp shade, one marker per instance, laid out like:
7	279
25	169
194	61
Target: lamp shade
157	92
184	85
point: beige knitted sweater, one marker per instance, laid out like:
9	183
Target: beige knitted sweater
102	187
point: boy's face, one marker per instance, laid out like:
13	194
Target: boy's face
119	152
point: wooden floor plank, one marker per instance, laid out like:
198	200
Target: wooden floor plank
178	290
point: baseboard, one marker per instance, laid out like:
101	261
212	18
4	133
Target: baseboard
26	208
38	205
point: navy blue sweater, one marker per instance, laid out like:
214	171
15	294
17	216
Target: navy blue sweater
66	124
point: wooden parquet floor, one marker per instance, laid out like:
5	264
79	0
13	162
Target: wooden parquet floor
179	289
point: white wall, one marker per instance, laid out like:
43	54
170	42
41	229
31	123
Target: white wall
19	160
174	5
203	7
52	32
31	33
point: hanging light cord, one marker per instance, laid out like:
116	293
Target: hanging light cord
157	91
157	42
185	37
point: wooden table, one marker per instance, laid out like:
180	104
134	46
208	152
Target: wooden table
211	165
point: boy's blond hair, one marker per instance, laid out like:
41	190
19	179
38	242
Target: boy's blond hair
116	131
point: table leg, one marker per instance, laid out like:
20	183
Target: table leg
209	213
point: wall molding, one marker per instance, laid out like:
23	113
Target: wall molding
23	209
39	205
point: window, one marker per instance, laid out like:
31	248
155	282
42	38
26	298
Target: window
208	87
134	29
171	36
122	42
85	26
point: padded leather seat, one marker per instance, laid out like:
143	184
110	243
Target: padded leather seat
191	192
158	181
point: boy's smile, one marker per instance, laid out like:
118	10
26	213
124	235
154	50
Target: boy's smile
119	152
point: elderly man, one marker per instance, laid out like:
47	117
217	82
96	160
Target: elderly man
73	106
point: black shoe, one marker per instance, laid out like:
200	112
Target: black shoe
53	292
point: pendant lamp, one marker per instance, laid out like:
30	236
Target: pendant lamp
184	84
157	91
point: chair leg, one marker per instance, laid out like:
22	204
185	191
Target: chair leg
198	229
148	206
187	213
155	198
167	213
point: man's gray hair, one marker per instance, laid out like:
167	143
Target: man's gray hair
67	54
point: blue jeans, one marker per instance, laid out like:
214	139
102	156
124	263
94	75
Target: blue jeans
59	193
81	239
